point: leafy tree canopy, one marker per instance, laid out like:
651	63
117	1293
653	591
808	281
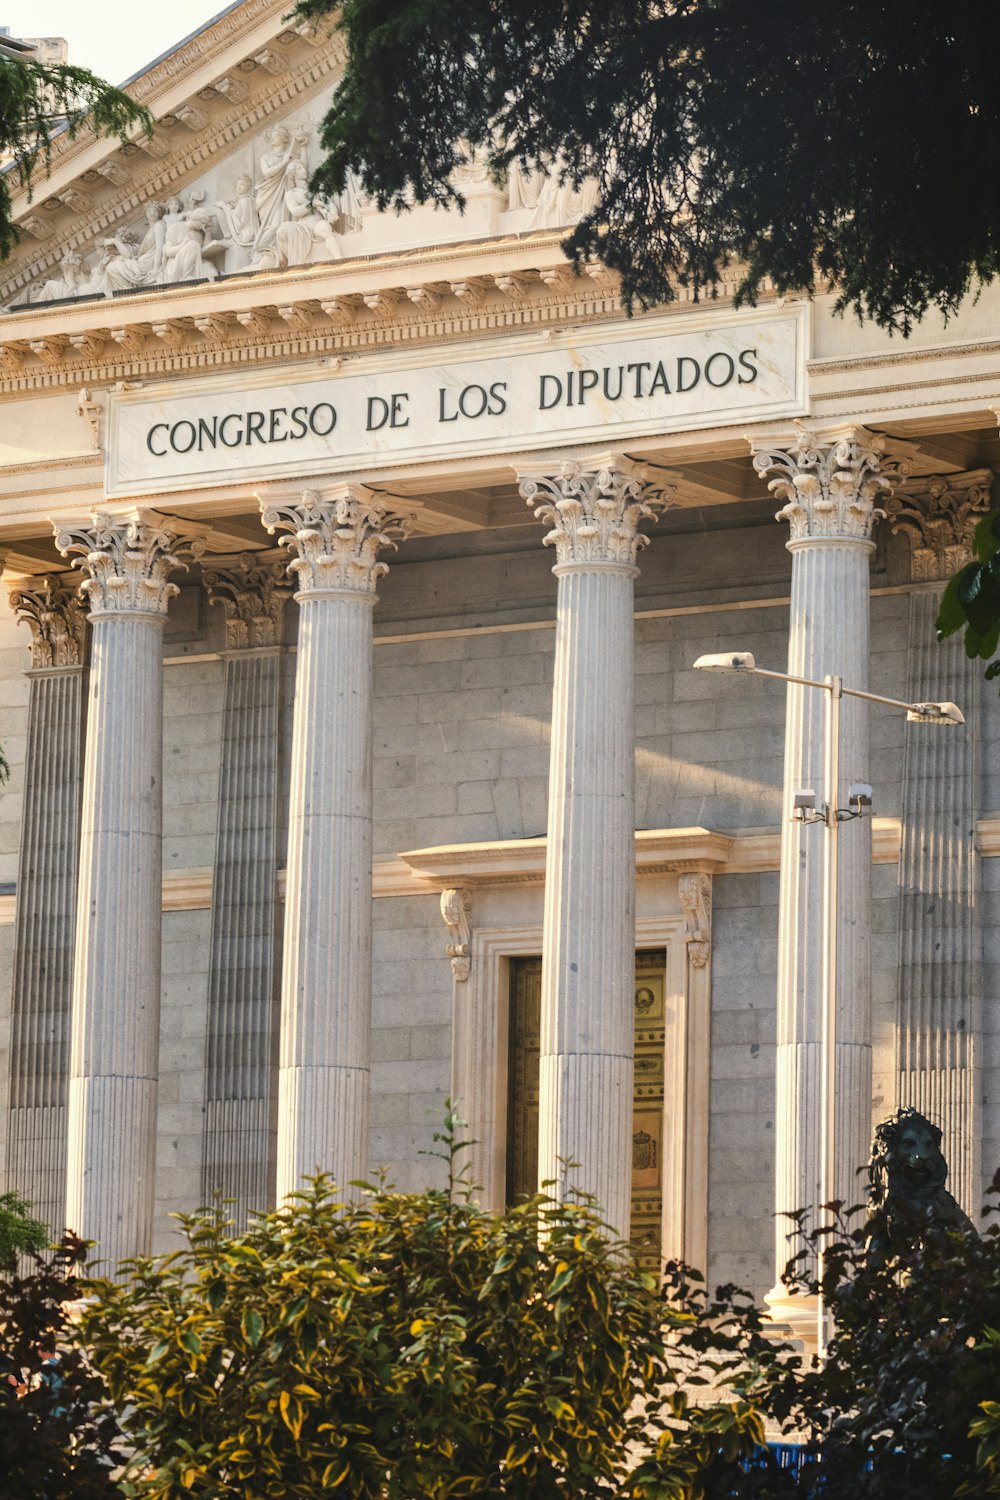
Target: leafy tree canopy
38	100
857	142
20	1231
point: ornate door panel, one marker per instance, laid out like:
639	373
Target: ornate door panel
648	1098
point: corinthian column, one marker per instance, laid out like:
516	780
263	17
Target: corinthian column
336	536
939	1004
830	488
46	890
237	1155
588	943
127	564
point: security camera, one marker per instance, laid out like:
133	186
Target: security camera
859	798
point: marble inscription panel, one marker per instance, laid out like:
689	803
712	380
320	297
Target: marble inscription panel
602	385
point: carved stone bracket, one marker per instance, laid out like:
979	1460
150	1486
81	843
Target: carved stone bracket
456	911
939	516
91	411
337	535
594	510
128	560
831	490
253	600
695	892
57	620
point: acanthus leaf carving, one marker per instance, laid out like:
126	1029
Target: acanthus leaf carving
939	516
595	510
252	595
127	560
456	911
57	620
831	490
337	535
695	892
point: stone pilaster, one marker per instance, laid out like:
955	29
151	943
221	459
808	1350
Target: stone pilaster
832	487
939	996
127	563
588	946
336	536
46	898
241	1051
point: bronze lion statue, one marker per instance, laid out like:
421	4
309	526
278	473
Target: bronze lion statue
908	1201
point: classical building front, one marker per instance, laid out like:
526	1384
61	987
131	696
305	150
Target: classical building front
356	567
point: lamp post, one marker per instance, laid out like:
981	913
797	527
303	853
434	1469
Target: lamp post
831	815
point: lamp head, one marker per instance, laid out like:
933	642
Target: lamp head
935	713
727	661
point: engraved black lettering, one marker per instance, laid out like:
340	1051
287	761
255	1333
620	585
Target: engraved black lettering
682	363
498	398
645	365
255	427
174	439
298	418
274	435
728	364
207	433
442	415
156	452
378	413
330	419
660	381
746	360
397	410
473	401
233	416
544	405
588	379
608	372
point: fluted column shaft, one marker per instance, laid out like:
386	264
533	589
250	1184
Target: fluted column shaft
116	976
323	1082
830	488
46	897
588	942
939	1007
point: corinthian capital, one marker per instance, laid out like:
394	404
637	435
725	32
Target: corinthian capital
831	488
251	595
594	509
337	535
127	560
938	516
57	620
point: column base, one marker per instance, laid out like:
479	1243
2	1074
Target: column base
794	1316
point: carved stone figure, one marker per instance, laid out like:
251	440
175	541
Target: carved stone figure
69	283
132	267
305	224
238	217
276	175
188	254
908	1201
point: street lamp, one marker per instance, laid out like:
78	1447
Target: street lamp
804	810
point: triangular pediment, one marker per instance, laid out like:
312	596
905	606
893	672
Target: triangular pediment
221	188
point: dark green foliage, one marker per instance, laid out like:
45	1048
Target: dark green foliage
971	601
20	1232
55	1442
905	1406
414	1346
36	101
857	141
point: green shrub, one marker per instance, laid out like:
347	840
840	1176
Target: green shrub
413	1345
56	1441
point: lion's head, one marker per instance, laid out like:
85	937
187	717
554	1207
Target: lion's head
906	1159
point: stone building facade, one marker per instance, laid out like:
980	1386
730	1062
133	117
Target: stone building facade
340	686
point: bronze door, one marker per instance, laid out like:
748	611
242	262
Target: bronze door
647	1116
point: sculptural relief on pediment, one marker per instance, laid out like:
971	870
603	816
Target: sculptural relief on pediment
252	210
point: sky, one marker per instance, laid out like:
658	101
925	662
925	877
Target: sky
114	38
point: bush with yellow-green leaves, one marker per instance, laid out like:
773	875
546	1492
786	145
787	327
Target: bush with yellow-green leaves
413	1345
